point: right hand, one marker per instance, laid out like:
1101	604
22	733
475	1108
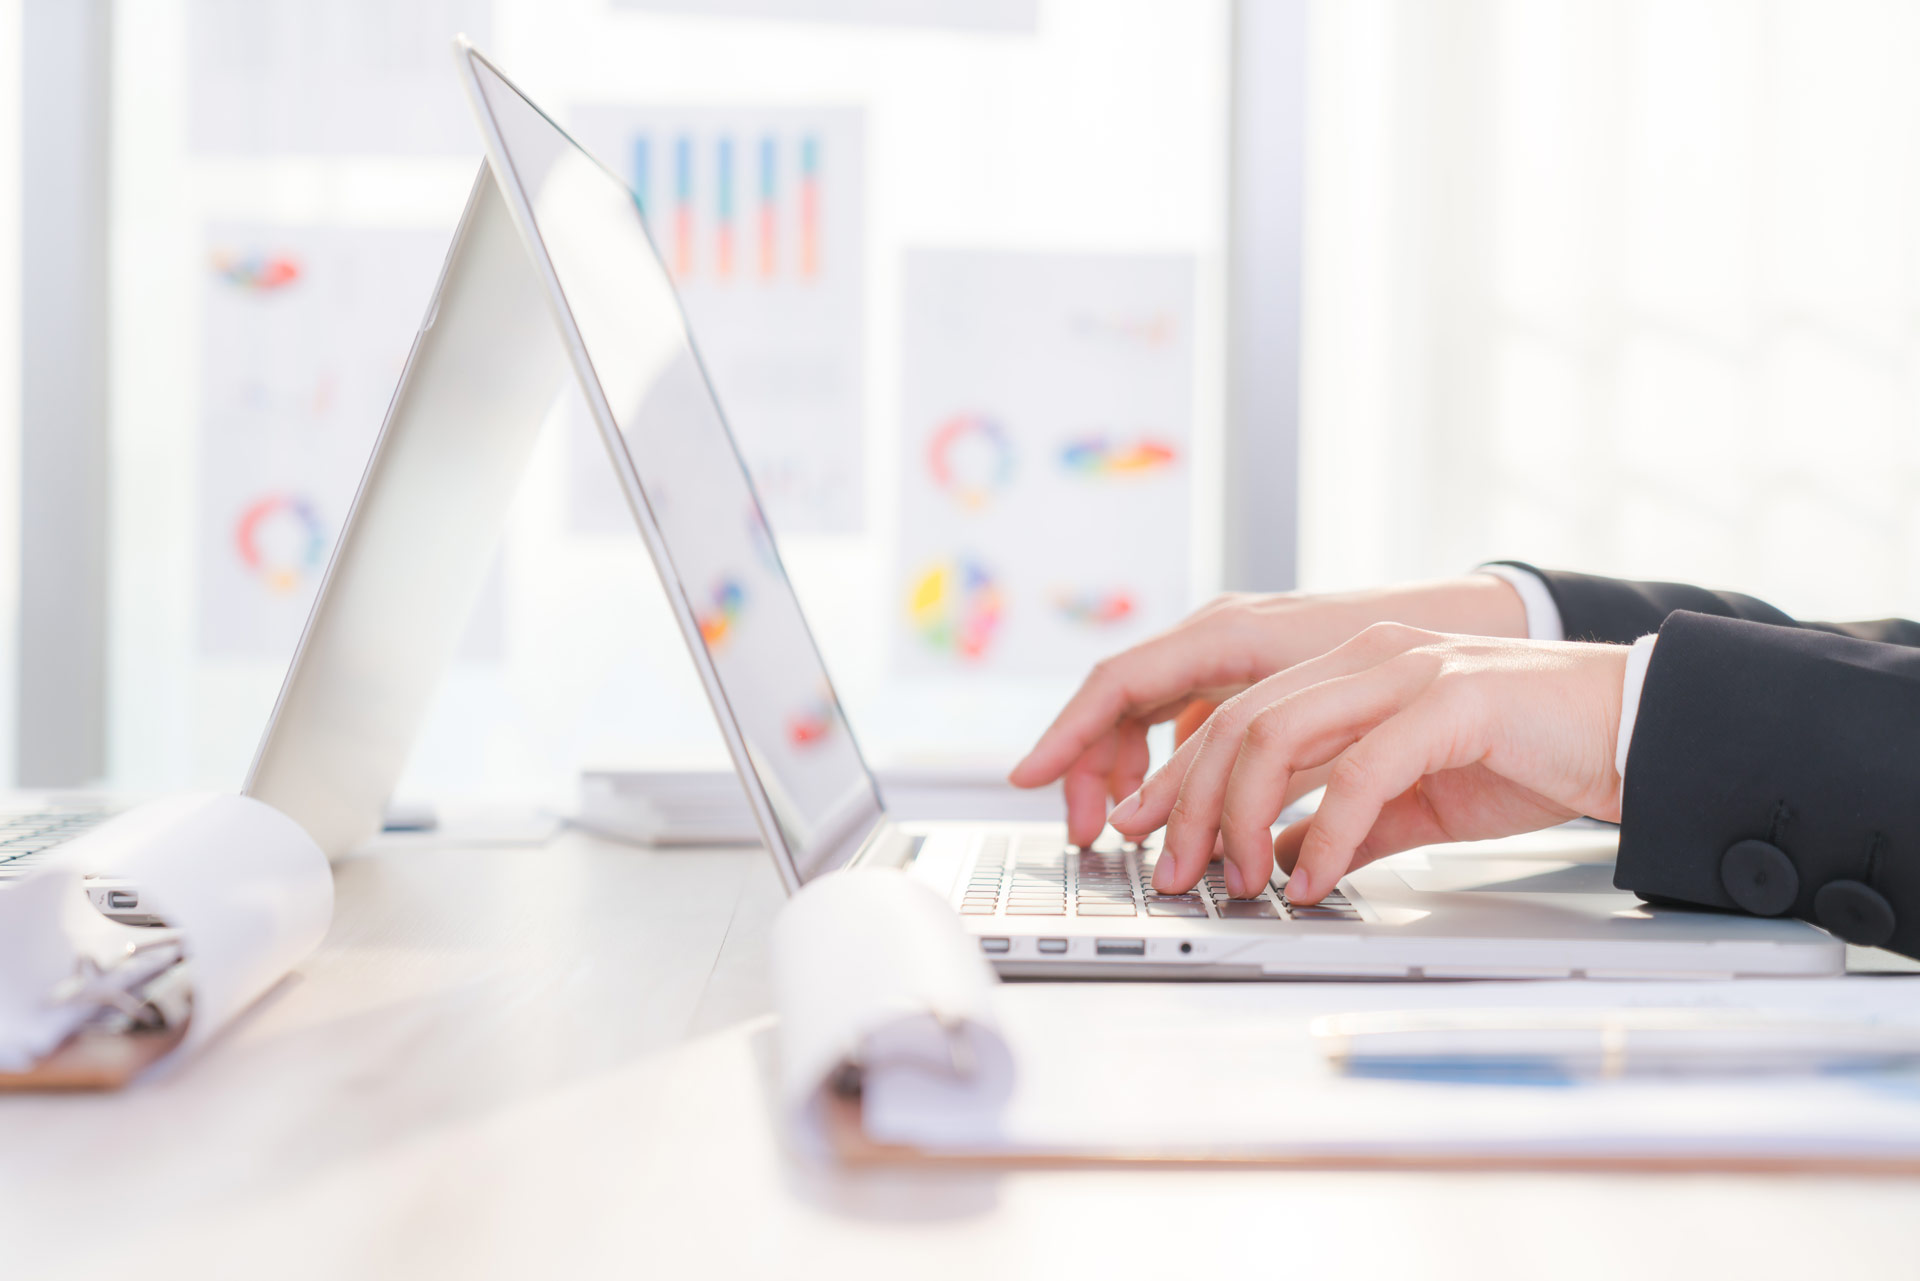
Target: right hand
1098	742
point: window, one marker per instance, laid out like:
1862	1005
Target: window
960	287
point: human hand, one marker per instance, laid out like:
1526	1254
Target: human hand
1424	738
1098	743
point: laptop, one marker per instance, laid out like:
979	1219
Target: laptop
1539	907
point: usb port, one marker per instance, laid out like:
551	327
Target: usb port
1120	947
121	900
1053	945
994	945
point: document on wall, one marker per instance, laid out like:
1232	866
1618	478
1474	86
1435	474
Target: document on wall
971	15
343	77
759	216
305	332
1045	489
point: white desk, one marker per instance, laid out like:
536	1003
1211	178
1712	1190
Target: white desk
543	1062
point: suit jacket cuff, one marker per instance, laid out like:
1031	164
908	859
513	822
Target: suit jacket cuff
1805	741
1620	612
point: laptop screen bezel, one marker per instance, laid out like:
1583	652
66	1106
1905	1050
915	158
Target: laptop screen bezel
854	829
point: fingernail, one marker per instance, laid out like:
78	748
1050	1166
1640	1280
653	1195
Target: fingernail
1297	887
1236	885
1124	810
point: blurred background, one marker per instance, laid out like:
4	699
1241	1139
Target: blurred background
1039	322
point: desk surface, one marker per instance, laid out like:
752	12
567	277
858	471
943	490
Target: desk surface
545	1061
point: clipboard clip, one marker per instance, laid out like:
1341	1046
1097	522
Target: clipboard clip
849	1075
143	985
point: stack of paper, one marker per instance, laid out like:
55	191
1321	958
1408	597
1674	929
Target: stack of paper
667	807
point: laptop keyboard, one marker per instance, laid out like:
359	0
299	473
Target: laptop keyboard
1039	876
28	836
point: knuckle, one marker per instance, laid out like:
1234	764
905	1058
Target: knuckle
1266	733
1385	637
1181	812
1352	774
1460	693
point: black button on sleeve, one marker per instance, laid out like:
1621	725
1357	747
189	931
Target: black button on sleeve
1855	912
1759	878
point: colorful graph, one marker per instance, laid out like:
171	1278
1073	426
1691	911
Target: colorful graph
769	209
811	725
722	615
1098	456
1095	608
970	458
956	608
683	208
723	211
704	237
281	541
810	206
257	272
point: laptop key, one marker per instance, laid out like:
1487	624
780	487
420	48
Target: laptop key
1248	910
1106	909
1034	909
1176	909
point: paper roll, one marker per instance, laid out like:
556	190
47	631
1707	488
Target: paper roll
877	985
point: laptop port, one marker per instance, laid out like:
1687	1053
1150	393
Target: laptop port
1053	945
1120	947
994	945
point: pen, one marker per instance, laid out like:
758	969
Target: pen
1511	1043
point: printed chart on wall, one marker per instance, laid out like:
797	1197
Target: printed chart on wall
973	15
758	215
1046	494
306	331
343	77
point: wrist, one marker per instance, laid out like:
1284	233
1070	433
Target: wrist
1471	605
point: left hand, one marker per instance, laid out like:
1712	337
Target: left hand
1427	738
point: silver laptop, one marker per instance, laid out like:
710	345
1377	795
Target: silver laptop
1542	907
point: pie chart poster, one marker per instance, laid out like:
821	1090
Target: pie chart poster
1046	487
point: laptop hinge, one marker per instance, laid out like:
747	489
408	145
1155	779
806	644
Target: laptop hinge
886	846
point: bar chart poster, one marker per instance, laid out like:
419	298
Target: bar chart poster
1045	489
964	15
344	77
759	216
304	334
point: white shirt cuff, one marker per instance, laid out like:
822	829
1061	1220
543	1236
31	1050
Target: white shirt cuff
1637	659
1543	616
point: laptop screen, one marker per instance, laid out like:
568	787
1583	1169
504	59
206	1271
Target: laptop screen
714	550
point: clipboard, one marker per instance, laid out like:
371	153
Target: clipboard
851	1147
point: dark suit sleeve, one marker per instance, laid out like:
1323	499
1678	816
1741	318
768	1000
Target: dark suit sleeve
1776	770
1775	764
1612	609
